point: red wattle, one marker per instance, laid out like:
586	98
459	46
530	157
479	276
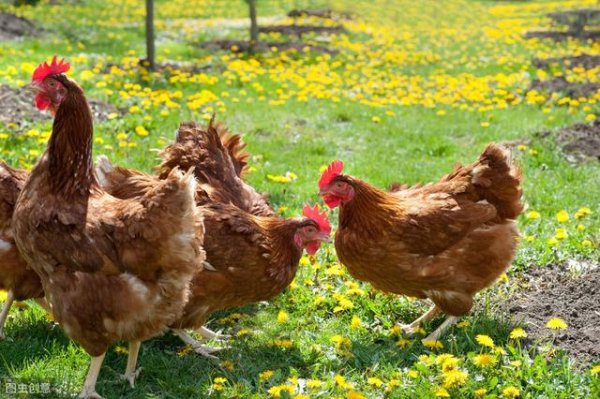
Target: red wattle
41	102
313	247
332	201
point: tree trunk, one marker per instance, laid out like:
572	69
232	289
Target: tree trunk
150	34
253	25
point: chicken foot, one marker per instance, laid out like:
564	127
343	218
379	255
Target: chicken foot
197	346
130	371
10	297
436	335
209	334
412	327
89	387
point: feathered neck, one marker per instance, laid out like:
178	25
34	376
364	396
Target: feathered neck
71	169
285	255
367	208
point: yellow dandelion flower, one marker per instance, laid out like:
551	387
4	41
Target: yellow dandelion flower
582	212
562	216
484	360
518	333
312	384
454	378
282	317
556	323
121	350
355	395
511	392
561	234
141	131
440	392
265	375
184	351
480	392
376	382
355	323
580	227
485	340
552	242
533	215
402	343
463	324
3	295
595	370
433	344
376	119
587	244
412	374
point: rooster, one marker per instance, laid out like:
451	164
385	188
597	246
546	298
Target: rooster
111	269
251	254
444	241
20	281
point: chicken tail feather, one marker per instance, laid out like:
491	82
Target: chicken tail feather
498	181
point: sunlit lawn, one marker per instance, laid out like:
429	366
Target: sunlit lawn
415	88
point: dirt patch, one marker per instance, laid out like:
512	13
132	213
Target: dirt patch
242	46
580	142
562	291
584	60
299	30
562	36
561	85
14	27
18	108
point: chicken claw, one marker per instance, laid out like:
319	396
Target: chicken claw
209	334
412	327
197	346
89	387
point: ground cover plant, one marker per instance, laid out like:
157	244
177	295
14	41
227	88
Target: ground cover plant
411	89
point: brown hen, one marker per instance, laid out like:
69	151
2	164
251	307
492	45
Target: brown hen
251	254
111	269
443	241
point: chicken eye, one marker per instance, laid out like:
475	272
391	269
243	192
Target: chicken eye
311	230
339	184
51	83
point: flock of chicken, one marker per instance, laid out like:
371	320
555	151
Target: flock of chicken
116	254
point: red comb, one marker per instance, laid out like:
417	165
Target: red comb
333	170
320	218
54	68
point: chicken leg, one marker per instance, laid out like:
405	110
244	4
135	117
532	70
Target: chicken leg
412	327
209	334
89	387
130	371
196	346
10	297
436	335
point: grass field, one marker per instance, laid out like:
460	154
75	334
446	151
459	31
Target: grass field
416	86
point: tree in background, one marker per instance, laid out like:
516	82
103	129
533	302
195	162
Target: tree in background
150	57
253	24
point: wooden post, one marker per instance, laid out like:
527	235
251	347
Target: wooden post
150	34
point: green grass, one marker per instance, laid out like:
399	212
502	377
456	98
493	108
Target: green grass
298	127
